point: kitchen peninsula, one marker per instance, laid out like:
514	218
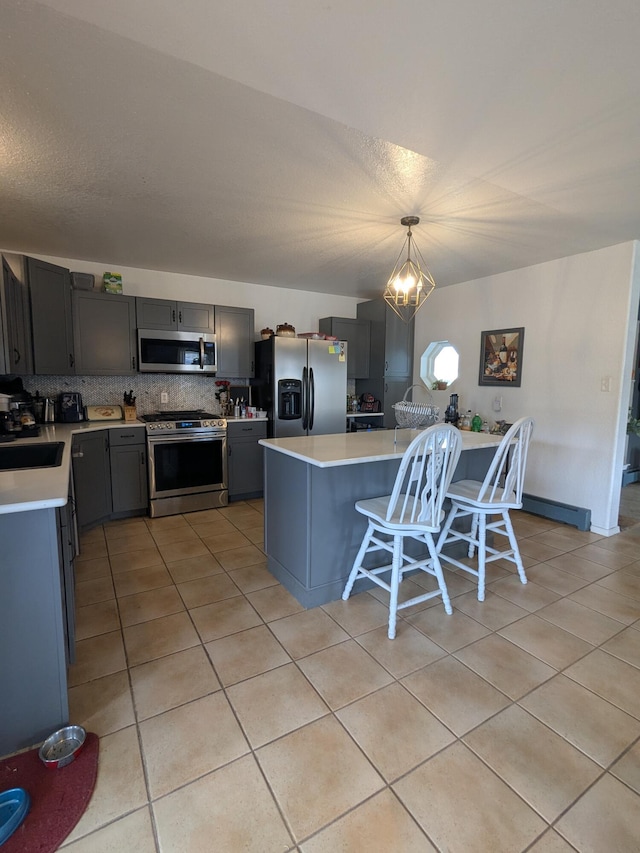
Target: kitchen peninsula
37	533
312	529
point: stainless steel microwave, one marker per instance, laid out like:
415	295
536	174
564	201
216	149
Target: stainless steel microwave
176	352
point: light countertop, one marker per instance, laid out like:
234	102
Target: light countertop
39	488
327	451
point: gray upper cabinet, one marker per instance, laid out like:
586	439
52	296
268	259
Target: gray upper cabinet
166	315
391	351
51	318
104	331
18	350
357	333
234	340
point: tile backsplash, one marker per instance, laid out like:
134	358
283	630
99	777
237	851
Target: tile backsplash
183	392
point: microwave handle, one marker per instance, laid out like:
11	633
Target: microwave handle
201	353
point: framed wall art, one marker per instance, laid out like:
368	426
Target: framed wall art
501	357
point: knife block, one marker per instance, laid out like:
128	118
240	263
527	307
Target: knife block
130	413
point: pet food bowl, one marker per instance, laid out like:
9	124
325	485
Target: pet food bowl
14	806
61	748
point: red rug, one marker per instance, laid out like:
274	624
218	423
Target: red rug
58	797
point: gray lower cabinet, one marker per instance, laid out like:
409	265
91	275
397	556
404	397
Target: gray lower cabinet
235	333
357	333
246	477
104	333
91	477
33	663
109	474
167	315
128	458
51	318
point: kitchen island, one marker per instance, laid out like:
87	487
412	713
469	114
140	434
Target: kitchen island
312	529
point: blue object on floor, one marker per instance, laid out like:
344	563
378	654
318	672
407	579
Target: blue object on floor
14	806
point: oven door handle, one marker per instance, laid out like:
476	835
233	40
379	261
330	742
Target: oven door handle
201	342
164	439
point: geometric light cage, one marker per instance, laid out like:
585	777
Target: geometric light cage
410	284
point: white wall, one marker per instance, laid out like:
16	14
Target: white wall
579	315
273	305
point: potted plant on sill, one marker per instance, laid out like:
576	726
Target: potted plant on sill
439	385
633	425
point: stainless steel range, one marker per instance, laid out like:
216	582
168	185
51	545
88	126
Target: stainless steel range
187	462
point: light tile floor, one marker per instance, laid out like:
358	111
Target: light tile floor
233	720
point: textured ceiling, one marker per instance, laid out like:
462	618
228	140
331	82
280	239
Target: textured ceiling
281	142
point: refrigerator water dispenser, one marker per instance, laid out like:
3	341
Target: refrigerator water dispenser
289	399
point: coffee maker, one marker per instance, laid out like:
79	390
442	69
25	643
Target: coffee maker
451	415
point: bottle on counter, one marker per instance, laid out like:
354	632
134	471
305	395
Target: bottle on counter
476	423
485	426
465	420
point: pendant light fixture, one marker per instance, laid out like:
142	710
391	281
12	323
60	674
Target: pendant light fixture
410	283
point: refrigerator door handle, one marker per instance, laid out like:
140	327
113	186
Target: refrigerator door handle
312	398
305	399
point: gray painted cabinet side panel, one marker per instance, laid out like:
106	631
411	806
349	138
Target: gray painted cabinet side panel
33	665
287	517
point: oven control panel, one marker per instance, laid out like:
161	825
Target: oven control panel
187	425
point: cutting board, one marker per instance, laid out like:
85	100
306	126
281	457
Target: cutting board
104	413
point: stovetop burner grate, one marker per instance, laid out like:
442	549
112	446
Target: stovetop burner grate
187	415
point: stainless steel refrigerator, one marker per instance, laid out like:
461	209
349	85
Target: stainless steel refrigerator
302	385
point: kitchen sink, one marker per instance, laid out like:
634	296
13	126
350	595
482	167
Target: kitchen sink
20	456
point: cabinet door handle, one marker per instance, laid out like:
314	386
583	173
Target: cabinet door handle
78	455
133	362
142	460
386	365
71	360
173	315
229	450
179	316
17	358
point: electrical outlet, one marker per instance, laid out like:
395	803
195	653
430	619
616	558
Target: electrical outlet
497	404
164	397
605	383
